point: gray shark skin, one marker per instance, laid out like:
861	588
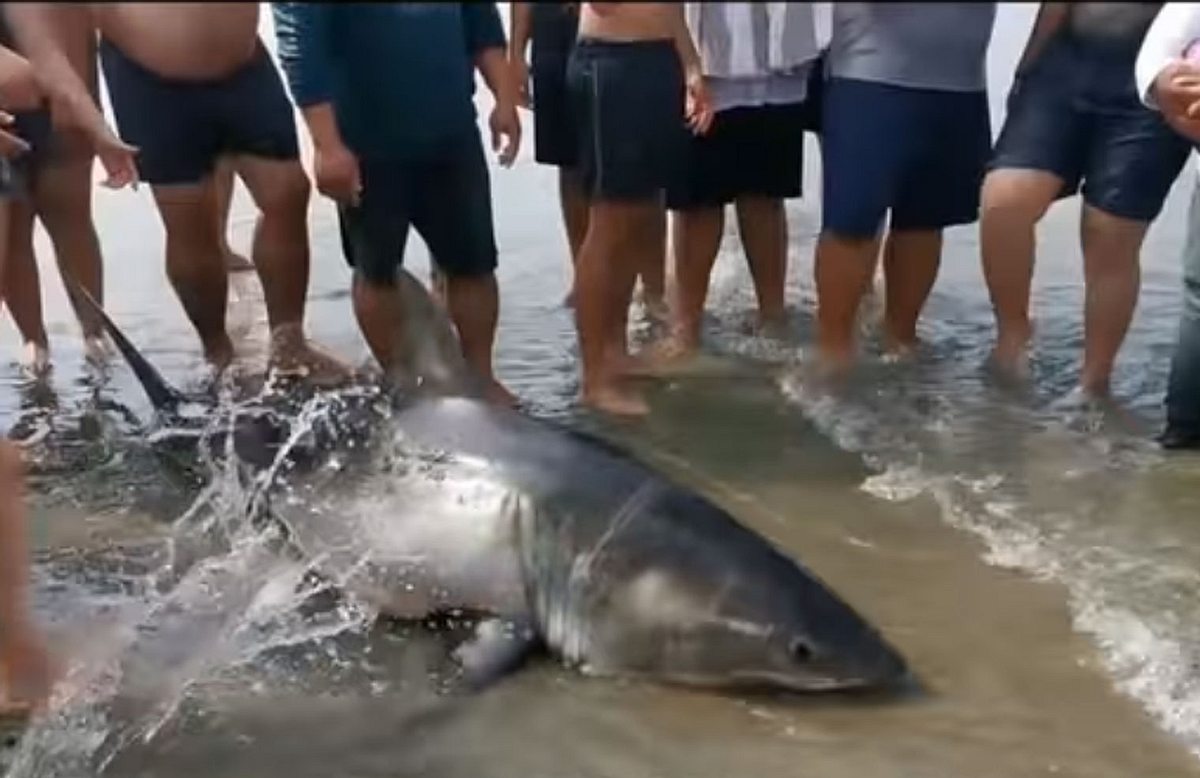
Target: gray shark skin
426	503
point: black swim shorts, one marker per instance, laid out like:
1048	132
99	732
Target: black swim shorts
182	127
445	195
554	27
628	99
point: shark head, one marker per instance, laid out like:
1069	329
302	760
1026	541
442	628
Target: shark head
711	604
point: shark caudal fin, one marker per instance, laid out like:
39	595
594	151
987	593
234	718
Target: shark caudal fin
162	395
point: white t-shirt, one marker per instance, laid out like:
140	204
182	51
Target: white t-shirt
1173	30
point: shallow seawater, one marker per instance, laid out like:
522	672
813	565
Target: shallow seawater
1039	565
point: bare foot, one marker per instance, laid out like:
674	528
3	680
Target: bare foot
773	327
35	359
305	360
235	262
497	394
896	352
656	309
219	354
833	367
96	350
614	400
665	357
1010	359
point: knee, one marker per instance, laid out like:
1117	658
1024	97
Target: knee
289	198
1007	206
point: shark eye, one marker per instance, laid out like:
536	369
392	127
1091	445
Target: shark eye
800	651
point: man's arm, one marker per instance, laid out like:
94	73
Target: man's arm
302	34
520	21
33	26
485	42
1050	18
1173	29
699	106
19	89
1165	80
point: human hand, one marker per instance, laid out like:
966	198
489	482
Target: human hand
1177	92
519	72
19	90
337	173
698	110
117	158
11	144
505	123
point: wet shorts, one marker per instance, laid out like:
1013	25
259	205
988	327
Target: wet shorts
554	27
16	174
445	196
628	101
919	153
1076	114
752	150
182	127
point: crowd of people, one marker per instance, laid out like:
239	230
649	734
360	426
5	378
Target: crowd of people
652	112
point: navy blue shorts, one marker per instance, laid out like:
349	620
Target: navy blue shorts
554	27
751	150
1076	114
182	127
16	175
628	102
446	196
919	153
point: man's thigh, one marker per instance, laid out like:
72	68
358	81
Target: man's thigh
453	211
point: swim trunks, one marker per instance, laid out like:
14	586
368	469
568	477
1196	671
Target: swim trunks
182	127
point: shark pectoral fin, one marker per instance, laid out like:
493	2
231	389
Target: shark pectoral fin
498	647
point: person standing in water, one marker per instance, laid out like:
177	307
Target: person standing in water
1075	117
634	77
549	30
386	91
59	172
25	669
1168	79
905	133
189	84
752	157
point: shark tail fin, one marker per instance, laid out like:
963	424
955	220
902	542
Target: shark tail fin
162	395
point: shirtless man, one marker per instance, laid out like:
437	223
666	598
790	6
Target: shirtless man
191	82
60	195
633	77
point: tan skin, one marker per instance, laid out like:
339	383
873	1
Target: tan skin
473	301
61	197
197	42
619	232
572	198
1013	201
26	672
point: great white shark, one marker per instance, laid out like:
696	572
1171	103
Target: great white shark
429	500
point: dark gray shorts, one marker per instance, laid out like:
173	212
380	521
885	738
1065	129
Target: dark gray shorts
628	101
445	196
